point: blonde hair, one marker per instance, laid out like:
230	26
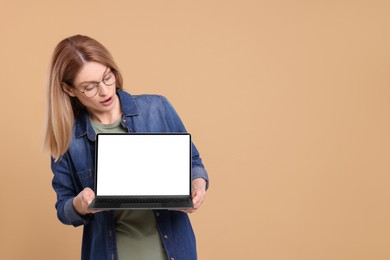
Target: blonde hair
68	58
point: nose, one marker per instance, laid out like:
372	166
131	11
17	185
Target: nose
103	89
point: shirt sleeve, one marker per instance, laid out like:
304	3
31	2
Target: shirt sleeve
66	189
176	124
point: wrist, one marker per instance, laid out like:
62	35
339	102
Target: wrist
199	183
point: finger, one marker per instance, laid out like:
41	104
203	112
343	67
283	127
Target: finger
198	199
95	211
188	211
88	195
88	192
195	202
89	200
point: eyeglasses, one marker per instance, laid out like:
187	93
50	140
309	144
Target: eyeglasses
92	89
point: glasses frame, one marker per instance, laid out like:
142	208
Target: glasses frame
97	84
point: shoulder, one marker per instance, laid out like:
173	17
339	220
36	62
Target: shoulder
146	105
150	99
152	105
153	112
141	99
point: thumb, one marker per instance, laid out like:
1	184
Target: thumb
89	195
195	197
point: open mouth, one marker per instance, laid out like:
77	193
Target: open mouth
107	101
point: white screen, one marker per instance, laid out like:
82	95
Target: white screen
143	165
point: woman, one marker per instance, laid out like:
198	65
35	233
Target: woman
85	97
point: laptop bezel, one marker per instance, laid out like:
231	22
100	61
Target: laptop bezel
141	196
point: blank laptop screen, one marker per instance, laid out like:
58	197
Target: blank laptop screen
143	164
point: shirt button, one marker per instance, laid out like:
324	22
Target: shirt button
165	236
157	214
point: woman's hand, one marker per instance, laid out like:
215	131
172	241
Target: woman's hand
82	201
198	194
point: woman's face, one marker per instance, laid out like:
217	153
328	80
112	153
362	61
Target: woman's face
95	77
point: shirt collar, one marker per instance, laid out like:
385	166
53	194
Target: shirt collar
83	126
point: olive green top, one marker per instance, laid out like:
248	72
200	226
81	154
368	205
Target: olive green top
137	236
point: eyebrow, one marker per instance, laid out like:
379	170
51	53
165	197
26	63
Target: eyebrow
92	81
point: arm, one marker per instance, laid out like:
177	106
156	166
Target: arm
200	180
67	188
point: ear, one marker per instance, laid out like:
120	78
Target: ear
68	90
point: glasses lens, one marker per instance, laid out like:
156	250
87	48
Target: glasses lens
91	90
109	79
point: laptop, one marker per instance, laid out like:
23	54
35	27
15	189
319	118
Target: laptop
142	171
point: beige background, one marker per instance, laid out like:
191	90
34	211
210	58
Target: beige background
288	102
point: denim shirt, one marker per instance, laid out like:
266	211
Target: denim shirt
74	171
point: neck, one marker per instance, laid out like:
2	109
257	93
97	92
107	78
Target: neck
107	117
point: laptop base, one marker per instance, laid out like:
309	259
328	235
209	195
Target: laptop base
137	203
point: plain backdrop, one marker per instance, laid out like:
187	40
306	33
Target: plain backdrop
287	101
